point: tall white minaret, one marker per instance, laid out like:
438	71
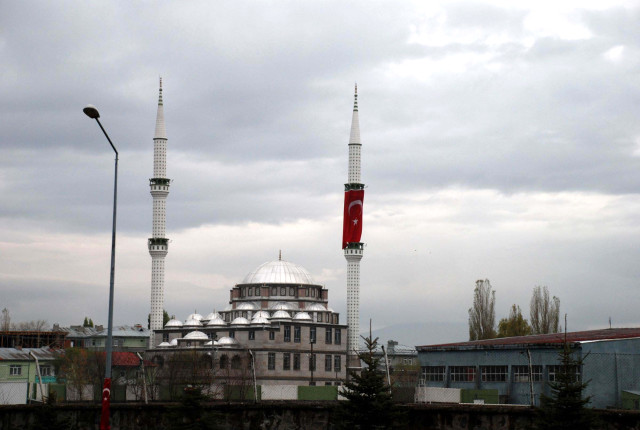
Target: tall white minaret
158	243
353	248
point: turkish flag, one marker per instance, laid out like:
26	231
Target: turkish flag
352	224
106	400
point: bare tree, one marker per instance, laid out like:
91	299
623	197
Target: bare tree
5	322
482	316
544	312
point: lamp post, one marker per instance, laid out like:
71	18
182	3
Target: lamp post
105	424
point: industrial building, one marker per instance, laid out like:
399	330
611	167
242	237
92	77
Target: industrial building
517	370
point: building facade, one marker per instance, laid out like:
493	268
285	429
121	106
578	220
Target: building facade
278	322
517	370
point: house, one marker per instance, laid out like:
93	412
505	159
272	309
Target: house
25	373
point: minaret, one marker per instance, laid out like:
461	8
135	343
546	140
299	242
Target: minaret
158	243
352	230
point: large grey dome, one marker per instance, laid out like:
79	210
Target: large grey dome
279	272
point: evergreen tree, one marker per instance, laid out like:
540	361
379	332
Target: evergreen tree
86	322
566	409
90	323
369	404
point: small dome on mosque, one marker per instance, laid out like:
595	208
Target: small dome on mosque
196	335
164	345
211	343
213	315
302	316
195	316
173	323
240	321
316	307
281	315
174	342
247	306
216	321
285	306
261	314
279	272
259	321
192	323
227	341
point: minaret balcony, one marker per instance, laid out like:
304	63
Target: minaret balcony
158	246
354	249
159	186
353	186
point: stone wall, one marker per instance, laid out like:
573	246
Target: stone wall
298	415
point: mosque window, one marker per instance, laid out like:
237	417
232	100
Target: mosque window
236	362
165	337
252	335
336	363
272	335
283	291
250	291
274	291
296	361
296	334
338	337
328	336
291	291
319	317
232	334
257	291
271	361
312	334
327	363
286	361
287	333
224	362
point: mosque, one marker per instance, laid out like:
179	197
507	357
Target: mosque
277	322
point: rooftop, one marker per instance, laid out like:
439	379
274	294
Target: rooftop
541	339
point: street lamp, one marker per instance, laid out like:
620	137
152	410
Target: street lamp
93	113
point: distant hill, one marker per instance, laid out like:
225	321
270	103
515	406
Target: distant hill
412	334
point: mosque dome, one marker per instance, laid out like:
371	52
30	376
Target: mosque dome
174	342
302	316
164	345
259	321
315	307
240	321
195	316
281	315
261	314
196	335
213	315
227	341
191	322
173	323
283	306
247	306
216	321
279	272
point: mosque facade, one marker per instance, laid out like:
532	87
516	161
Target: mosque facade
278	320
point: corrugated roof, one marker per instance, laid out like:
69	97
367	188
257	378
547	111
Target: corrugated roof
541	339
44	353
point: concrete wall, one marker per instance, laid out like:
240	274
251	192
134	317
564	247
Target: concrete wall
302	415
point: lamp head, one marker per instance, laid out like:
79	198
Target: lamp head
91	111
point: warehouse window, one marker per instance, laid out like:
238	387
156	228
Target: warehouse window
494	373
463	373
521	373
433	373
555	370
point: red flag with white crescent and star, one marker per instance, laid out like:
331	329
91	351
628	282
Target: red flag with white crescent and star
352	224
106	400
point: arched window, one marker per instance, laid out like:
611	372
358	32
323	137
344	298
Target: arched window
236	362
224	362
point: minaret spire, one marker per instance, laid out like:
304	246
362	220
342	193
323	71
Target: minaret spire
351	234
158	244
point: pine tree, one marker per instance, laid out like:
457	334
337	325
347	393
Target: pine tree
566	409
369	403
86	322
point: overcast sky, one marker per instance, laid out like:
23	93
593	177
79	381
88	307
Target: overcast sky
501	140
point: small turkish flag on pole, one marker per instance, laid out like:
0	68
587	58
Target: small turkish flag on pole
106	400
352	224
